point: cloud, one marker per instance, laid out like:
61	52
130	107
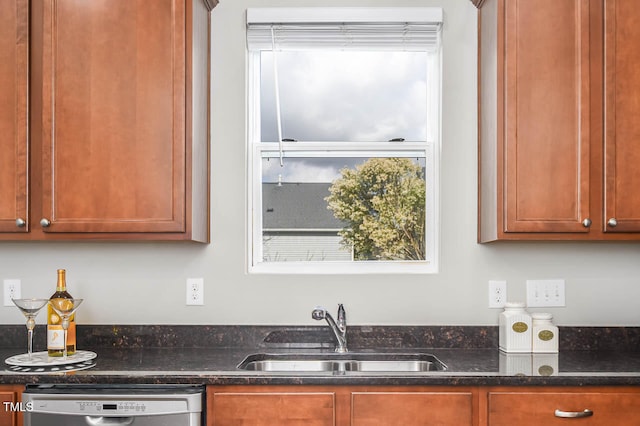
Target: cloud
306	169
346	96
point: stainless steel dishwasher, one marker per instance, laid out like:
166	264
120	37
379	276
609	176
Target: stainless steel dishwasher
138	405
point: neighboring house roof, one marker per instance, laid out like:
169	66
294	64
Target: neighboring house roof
297	206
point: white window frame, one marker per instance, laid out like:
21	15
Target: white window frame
256	149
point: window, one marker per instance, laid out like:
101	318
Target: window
343	139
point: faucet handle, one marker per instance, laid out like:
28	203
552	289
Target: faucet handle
318	313
342	317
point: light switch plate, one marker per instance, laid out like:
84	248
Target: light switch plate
545	293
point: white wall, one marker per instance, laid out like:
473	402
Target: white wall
144	283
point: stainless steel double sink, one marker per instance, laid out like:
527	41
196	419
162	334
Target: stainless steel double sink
343	363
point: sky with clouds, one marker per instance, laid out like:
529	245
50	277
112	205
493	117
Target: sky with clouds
341	96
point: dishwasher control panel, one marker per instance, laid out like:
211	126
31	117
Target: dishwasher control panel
109	407
118	407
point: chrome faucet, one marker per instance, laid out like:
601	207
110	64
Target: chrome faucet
339	329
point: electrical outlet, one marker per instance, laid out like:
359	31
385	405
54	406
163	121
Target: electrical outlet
497	294
195	291
544	293
11	291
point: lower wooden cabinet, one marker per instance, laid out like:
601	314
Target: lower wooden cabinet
265	407
411	408
339	406
10	414
423	405
559	406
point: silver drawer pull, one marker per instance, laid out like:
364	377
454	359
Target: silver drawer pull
573	414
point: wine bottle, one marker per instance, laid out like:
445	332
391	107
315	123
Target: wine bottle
55	333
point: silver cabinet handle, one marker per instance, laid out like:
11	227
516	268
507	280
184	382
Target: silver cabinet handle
586	223
45	222
612	222
573	414
20	222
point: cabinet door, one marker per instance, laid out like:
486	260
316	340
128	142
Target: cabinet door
546	110
9	416
14	51
411	408
622	112
524	409
113	115
268	409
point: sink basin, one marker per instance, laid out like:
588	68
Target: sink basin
343	363
312	365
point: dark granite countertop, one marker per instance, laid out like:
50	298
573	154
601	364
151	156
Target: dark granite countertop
210	354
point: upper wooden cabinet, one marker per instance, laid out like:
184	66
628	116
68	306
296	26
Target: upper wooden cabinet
546	169
119	122
622	116
14	145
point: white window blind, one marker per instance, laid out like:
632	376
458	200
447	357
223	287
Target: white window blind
409	29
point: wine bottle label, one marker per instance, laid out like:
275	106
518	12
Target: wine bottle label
55	337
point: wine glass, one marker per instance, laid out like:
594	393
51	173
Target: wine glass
30	309
65	308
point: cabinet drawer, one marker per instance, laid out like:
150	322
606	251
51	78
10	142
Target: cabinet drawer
522	409
411	408
273	408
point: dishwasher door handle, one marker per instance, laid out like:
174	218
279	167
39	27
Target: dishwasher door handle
96	421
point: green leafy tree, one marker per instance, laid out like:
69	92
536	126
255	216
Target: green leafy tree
382	201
